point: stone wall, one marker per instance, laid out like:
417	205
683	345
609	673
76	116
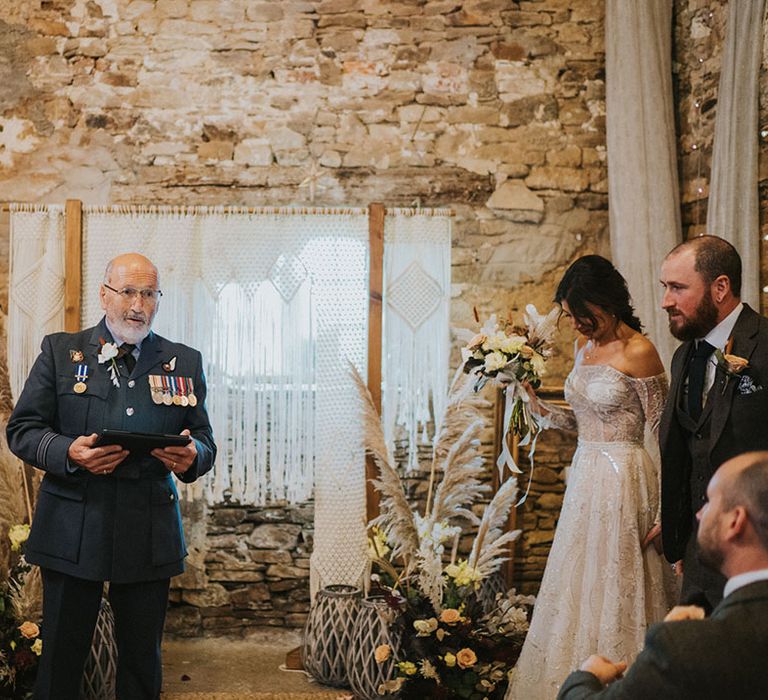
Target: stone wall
494	108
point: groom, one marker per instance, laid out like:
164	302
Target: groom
718	400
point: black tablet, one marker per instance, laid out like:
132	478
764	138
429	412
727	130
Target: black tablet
140	442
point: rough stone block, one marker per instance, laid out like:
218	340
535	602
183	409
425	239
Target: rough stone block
253	152
215	150
514	196
568	179
269	536
214	595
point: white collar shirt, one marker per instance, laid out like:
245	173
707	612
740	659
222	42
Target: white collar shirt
741	580
718	338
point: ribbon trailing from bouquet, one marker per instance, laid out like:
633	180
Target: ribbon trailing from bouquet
518	413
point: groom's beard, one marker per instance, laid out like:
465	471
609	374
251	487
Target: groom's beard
704	319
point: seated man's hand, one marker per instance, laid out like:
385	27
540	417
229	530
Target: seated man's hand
177	459
97	460
685	612
605	670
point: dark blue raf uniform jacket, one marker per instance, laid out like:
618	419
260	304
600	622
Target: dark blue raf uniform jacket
126	526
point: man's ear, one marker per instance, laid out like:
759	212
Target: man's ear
737	522
102	296
721	288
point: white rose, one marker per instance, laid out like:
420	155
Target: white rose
108	351
494	361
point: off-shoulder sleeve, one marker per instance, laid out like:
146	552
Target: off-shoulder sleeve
652	392
558	417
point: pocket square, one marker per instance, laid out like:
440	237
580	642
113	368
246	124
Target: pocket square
747	385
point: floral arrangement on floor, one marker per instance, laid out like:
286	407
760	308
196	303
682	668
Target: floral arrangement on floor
21	590
451	647
513	356
21	645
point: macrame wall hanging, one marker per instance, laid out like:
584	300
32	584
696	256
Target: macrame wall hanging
417	284
36	285
277	300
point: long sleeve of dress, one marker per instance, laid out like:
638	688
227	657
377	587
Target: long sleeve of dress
652	392
558	417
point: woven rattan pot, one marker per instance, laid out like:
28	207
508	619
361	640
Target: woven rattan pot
328	633
489	587
372	629
100	670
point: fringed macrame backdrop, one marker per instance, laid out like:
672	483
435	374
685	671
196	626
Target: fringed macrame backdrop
417	288
36	287
276	300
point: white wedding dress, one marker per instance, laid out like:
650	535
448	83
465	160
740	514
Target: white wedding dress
600	591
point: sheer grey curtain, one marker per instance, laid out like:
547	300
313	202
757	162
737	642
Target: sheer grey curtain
643	196
733	195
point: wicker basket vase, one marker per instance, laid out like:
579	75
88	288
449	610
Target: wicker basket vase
100	671
372	629
489	587
328	633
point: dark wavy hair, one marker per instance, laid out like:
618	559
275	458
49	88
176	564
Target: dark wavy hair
594	280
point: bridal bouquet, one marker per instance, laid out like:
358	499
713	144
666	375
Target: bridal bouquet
512	356
454	642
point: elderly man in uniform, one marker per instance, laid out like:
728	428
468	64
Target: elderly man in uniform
104	512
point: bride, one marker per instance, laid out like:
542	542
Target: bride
603	584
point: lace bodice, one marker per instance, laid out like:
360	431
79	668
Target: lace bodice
610	406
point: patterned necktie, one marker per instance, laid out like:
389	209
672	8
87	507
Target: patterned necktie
697	370
126	352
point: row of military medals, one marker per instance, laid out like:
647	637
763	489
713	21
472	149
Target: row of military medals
168	390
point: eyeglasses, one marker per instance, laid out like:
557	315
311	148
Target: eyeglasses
130	293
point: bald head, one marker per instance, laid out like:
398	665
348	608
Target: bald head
130	296
134	264
745	483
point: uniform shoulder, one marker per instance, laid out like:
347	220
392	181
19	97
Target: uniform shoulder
174	346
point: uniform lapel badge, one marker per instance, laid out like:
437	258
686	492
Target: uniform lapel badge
76	356
170	365
81	377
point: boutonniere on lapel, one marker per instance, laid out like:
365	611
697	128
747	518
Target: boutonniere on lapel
109	354
733	366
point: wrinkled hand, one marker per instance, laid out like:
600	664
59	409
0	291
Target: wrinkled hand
653	537
97	460
605	670
177	459
685	612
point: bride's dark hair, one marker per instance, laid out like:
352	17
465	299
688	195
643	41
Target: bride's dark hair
594	280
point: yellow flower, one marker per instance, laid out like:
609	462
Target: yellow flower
466	658
29	630
37	646
18	535
539	365
450	660
382	653
450	616
407	667
425	627
377	544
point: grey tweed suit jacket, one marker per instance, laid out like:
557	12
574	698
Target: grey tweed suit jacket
719	658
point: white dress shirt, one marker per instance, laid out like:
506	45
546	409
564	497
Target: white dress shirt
740	580
718	338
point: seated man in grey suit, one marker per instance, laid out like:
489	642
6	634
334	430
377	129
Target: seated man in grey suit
723	656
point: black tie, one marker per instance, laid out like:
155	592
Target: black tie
696	371
126	352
